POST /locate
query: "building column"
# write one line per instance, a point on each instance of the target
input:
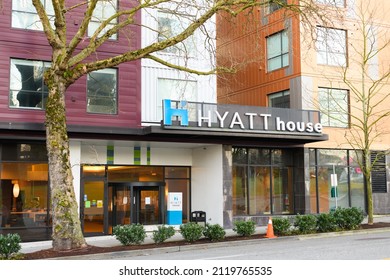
(227, 187)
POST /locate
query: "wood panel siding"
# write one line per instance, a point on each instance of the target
(241, 42)
(27, 44)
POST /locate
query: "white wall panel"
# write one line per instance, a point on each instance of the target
(93, 154)
(177, 157)
(207, 183)
(123, 155)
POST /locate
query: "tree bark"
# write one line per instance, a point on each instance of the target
(67, 233)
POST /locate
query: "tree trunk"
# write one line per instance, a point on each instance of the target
(367, 176)
(67, 233)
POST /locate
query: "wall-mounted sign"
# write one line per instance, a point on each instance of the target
(249, 119)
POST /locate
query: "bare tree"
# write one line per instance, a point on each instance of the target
(74, 55)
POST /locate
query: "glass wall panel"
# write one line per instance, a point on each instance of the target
(332, 157)
(253, 180)
(94, 207)
(282, 190)
(259, 190)
(135, 173)
(177, 172)
(24, 195)
(183, 186)
(313, 190)
(259, 156)
(240, 200)
(357, 187)
(94, 170)
(349, 191)
(240, 156)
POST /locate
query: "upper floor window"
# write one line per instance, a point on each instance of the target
(170, 25)
(334, 3)
(104, 10)
(277, 51)
(27, 88)
(279, 99)
(331, 46)
(102, 91)
(25, 16)
(274, 6)
(334, 107)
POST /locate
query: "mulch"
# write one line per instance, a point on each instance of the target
(50, 253)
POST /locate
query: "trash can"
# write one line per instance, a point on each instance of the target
(198, 217)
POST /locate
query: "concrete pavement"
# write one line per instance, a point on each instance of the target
(110, 241)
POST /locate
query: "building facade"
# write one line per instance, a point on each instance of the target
(287, 62)
(145, 139)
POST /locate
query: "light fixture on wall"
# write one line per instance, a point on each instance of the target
(16, 188)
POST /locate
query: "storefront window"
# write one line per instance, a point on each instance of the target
(313, 191)
(259, 190)
(343, 164)
(182, 186)
(240, 187)
(262, 182)
(177, 172)
(24, 195)
(135, 173)
(282, 190)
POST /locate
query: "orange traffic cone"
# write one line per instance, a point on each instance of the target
(270, 229)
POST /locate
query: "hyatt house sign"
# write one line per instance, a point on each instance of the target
(235, 118)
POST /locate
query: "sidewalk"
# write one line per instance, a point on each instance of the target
(110, 241)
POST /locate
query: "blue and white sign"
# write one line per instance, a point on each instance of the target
(175, 208)
(235, 118)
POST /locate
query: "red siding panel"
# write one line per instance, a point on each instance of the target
(27, 44)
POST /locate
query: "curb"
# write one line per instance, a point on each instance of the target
(342, 233)
(172, 249)
(148, 252)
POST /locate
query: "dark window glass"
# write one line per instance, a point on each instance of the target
(24, 152)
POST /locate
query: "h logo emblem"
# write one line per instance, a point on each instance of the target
(170, 112)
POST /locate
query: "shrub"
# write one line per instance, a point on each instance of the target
(281, 226)
(191, 232)
(305, 224)
(245, 228)
(214, 232)
(163, 233)
(348, 218)
(130, 234)
(9, 246)
(326, 222)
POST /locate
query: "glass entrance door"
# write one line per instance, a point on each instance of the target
(93, 211)
(121, 205)
(147, 205)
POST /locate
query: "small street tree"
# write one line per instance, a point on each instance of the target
(74, 55)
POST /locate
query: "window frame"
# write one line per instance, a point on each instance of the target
(30, 11)
(96, 20)
(327, 40)
(109, 71)
(281, 56)
(13, 99)
(333, 3)
(328, 96)
(273, 7)
(275, 95)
